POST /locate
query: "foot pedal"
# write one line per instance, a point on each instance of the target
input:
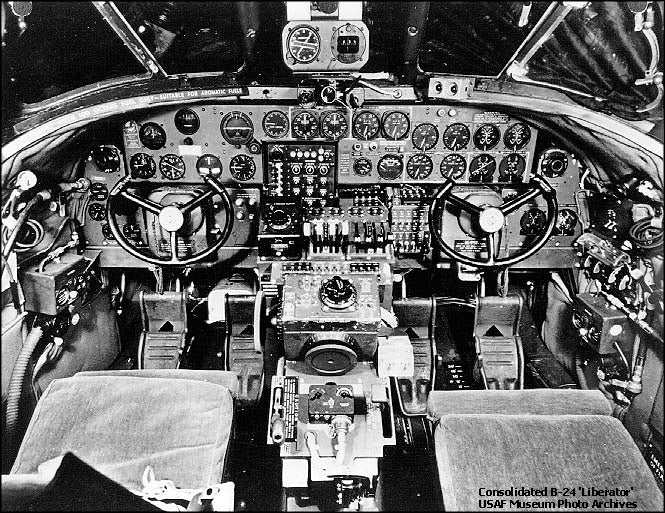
(498, 344)
(164, 330)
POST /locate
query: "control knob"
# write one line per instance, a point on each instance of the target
(338, 293)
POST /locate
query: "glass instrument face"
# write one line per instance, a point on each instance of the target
(304, 44)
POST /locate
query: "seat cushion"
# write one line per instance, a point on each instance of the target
(481, 453)
(544, 401)
(119, 424)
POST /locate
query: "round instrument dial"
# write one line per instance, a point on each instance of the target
(97, 211)
(533, 222)
(142, 165)
(486, 136)
(334, 125)
(237, 128)
(276, 124)
(419, 166)
(456, 136)
(338, 293)
(304, 44)
(390, 167)
(453, 166)
(305, 125)
(362, 166)
(98, 191)
(366, 125)
(106, 159)
(554, 163)
(242, 167)
(565, 222)
(107, 233)
(395, 125)
(187, 121)
(209, 165)
(172, 167)
(482, 168)
(425, 136)
(152, 136)
(512, 168)
(517, 136)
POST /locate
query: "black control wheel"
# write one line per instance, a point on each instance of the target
(491, 220)
(171, 218)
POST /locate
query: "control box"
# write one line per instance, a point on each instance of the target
(280, 229)
(326, 401)
(600, 325)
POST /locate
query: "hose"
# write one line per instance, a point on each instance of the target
(15, 390)
(579, 372)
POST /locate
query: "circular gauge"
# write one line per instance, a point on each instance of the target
(554, 163)
(533, 222)
(305, 125)
(97, 211)
(366, 125)
(131, 231)
(517, 136)
(276, 124)
(187, 121)
(486, 137)
(304, 44)
(395, 125)
(425, 136)
(453, 166)
(107, 233)
(172, 167)
(338, 293)
(512, 168)
(209, 165)
(106, 159)
(242, 167)
(456, 136)
(142, 165)
(98, 191)
(334, 125)
(390, 167)
(362, 167)
(481, 168)
(237, 128)
(152, 136)
(419, 166)
(565, 222)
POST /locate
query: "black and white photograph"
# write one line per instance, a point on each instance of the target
(332, 256)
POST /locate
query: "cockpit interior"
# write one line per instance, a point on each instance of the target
(332, 256)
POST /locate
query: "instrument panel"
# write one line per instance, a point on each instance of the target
(393, 154)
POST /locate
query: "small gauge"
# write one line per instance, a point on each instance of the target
(419, 166)
(107, 233)
(453, 166)
(554, 163)
(305, 125)
(533, 222)
(142, 165)
(97, 211)
(334, 125)
(209, 165)
(237, 128)
(362, 167)
(106, 159)
(152, 136)
(425, 136)
(395, 125)
(517, 136)
(565, 222)
(456, 136)
(172, 167)
(242, 167)
(366, 125)
(390, 167)
(304, 44)
(276, 124)
(512, 168)
(98, 191)
(482, 168)
(486, 136)
(187, 121)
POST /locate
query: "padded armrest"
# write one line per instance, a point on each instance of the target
(224, 378)
(543, 401)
